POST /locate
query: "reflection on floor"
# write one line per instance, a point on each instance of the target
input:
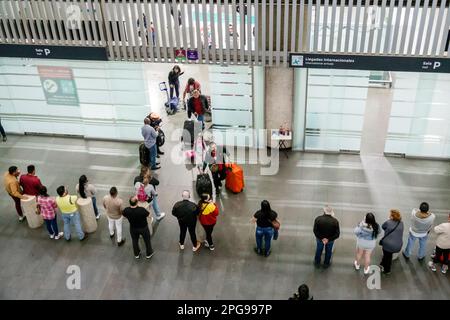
(33, 266)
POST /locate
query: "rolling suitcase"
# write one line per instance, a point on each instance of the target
(203, 184)
(144, 154)
(235, 178)
(188, 133)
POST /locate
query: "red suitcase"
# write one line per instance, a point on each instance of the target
(235, 178)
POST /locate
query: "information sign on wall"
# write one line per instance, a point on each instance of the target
(58, 85)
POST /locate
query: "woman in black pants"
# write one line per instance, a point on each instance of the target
(208, 218)
(174, 82)
(392, 240)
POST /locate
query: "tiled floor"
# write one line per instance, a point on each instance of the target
(33, 266)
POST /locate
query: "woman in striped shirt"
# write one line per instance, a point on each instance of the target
(47, 209)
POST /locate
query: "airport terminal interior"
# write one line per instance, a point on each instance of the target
(360, 141)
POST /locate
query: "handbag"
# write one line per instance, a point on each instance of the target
(381, 241)
(275, 224)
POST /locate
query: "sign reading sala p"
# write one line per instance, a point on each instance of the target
(58, 85)
(53, 52)
(360, 62)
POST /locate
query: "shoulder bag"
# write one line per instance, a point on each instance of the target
(381, 241)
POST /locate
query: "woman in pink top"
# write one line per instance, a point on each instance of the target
(47, 209)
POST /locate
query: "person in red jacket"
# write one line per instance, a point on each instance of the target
(29, 182)
(190, 87)
(208, 218)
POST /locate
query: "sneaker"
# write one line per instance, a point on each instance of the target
(161, 216)
(59, 236)
(52, 236)
(366, 271)
(444, 269)
(432, 266)
(138, 256)
(267, 254)
(357, 266)
(4, 139)
(160, 152)
(206, 243)
(68, 239)
(151, 255)
(119, 244)
(258, 252)
(85, 237)
(181, 246)
(211, 247)
(197, 247)
(98, 217)
(404, 255)
(21, 218)
(112, 235)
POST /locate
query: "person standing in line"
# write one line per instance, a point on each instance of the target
(29, 182)
(264, 228)
(114, 208)
(186, 212)
(149, 133)
(442, 246)
(208, 212)
(392, 241)
(145, 171)
(47, 206)
(12, 187)
(137, 216)
(174, 81)
(87, 190)
(366, 233)
(326, 230)
(2, 131)
(69, 212)
(421, 224)
(147, 192)
(197, 105)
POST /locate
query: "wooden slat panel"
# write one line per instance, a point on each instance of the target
(79, 25)
(213, 31)
(19, 20)
(348, 26)
(31, 18)
(381, 28)
(184, 24)
(161, 25)
(286, 34)
(143, 31)
(120, 9)
(249, 33)
(235, 31)
(24, 19)
(264, 32)
(429, 28)
(155, 20)
(387, 44)
(421, 34)
(176, 25)
(7, 35)
(61, 35)
(396, 28)
(135, 44)
(257, 35)
(445, 35)
(324, 27)
(197, 31)
(97, 16)
(242, 32)
(11, 18)
(301, 24)
(362, 47)
(294, 25)
(192, 38)
(340, 29)
(205, 32)
(356, 28)
(91, 18)
(271, 17)
(71, 28)
(108, 39)
(112, 19)
(316, 26)
(149, 36)
(403, 44)
(220, 31)
(439, 26)
(87, 23)
(278, 33)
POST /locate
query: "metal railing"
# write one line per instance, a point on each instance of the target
(231, 31)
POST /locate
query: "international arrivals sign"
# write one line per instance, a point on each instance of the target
(361, 62)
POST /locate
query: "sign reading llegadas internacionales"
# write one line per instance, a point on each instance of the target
(58, 85)
(360, 62)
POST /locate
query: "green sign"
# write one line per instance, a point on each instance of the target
(58, 85)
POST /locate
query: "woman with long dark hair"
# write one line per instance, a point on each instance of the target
(87, 190)
(366, 233)
(47, 209)
(208, 212)
(392, 241)
(174, 82)
(264, 227)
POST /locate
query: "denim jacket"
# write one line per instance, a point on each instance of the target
(363, 231)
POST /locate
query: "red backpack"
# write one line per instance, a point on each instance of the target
(141, 195)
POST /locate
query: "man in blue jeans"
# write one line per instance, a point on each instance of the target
(326, 230)
(149, 133)
(421, 224)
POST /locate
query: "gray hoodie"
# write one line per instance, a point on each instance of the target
(421, 223)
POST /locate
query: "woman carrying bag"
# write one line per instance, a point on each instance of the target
(267, 226)
(392, 240)
(208, 218)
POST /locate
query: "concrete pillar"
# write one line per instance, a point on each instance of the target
(146, 206)
(279, 91)
(29, 210)
(87, 215)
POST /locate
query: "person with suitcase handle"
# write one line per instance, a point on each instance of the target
(197, 105)
(215, 159)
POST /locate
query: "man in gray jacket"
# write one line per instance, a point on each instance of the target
(421, 224)
(149, 133)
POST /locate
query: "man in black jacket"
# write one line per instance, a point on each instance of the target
(197, 105)
(326, 230)
(137, 216)
(186, 212)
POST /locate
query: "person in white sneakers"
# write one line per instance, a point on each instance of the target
(146, 192)
(366, 234)
(442, 246)
(113, 205)
(46, 207)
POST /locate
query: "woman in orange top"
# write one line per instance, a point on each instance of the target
(208, 218)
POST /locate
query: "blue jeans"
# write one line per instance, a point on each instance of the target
(422, 246)
(201, 118)
(152, 153)
(52, 226)
(267, 234)
(74, 218)
(155, 206)
(328, 251)
(176, 86)
(94, 203)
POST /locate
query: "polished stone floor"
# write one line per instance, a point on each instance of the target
(34, 267)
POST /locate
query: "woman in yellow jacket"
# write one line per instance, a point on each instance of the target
(208, 212)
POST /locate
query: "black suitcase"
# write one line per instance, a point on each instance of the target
(188, 132)
(161, 138)
(144, 154)
(203, 185)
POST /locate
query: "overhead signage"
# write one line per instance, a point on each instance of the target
(192, 55)
(360, 62)
(58, 85)
(53, 52)
(180, 55)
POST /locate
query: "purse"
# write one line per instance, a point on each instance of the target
(275, 224)
(381, 241)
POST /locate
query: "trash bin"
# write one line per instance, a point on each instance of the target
(87, 215)
(29, 210)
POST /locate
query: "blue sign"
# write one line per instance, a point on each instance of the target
(192, 55)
